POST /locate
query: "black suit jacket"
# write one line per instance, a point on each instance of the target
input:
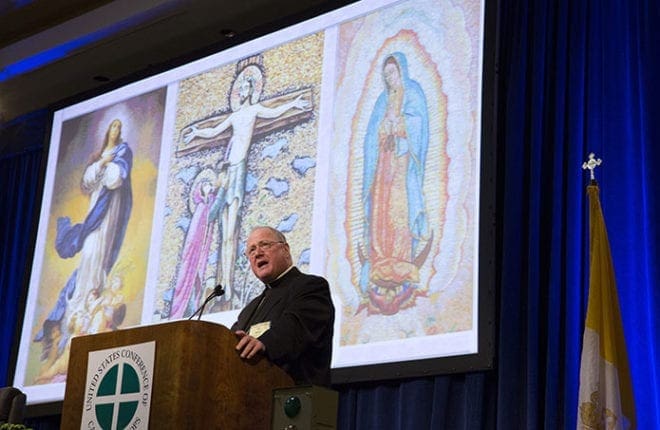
(301, 316)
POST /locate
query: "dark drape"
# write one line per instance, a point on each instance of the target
(576, 77)
(573, 77)
(20, 196)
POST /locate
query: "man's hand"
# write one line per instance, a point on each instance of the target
(300, 103)
(189, 133)
(248, 346)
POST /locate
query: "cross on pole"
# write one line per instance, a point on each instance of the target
(591, 164)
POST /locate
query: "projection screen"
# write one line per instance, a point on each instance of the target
(358, 134)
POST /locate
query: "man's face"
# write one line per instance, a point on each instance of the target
(270, 257)
(244, 90)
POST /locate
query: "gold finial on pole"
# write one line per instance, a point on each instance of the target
(591, 164)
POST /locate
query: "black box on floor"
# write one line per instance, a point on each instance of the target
(305, 407)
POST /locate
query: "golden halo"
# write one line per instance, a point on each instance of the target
(256, 75)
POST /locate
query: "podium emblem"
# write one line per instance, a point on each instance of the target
(118, 388)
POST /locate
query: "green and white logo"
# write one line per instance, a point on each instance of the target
(118, 388)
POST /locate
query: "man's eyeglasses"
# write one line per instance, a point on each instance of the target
(263, 245)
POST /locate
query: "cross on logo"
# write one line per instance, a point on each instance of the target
(118, 397)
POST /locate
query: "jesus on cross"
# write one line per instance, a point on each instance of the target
(249, 117)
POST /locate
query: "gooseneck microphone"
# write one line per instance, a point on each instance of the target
(217, 292)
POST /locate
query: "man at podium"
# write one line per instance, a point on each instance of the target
(291, 322)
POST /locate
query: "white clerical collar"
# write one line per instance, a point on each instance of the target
(281, 275)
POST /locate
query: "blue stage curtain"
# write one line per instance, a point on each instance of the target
(20, 195)
(573, 77)
(576, 77)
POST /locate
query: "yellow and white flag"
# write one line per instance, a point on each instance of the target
(606, 397)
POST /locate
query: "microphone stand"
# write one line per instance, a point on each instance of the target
(217, 292)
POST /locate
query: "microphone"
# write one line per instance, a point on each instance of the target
(217, 292)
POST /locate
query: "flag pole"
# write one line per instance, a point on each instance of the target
(605, 397)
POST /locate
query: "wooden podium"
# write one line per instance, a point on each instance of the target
(199, 381)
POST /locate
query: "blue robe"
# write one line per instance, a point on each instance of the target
(415, 112)
(70, 239)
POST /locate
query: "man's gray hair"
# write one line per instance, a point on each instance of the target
(276, 232)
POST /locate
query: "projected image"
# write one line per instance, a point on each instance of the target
(94, 265)
(245, 142)
(357, 134)
(405, 149)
